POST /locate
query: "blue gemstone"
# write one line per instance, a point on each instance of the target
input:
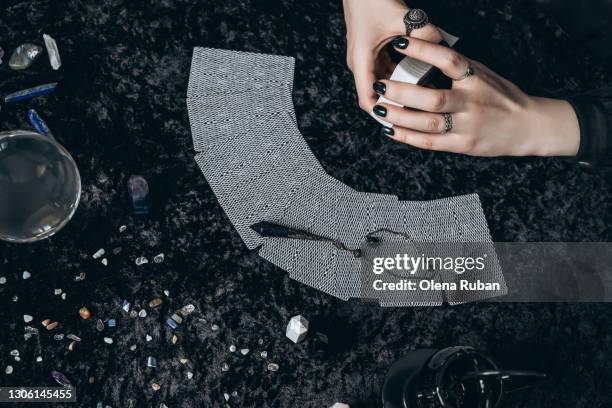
(111, 323)
(171, 323)
(38, 123)
(30, 93)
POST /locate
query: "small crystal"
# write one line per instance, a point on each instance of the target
(71, 346)
(189, 375)
(63, 296)
(166, 292)
(80, 277)
(159, 258)
(99, 325)
(162, 405)
(125, 305)
(104, 261)
(142, 313)
(26, 275)
(15, 298)
(52, 326)
(45, 322)
(38, 123)
(177, 318)
(58, 337)
(24, 56)
(225, 367)
(156, 386)
(108, 340)
(57, 292)
(226, 396)
(17, 358)
(14, 352)
(141, 260)
(214, 327)
(2, 280)
(232, 348)
(61, 379)
(272, 367)
(183, 360)
(39, 359)
(9, 369)
(297, 329)
(340, 405)
(27, 318)
(111, 323)
(244, 351)
(133, 347)
(99, 253)
(122, 228)
(174, 339)
(171, 323)
(138, 189)
(53, 52)
(263, 354)
(73, 337)
(155, 302)
(187, 310)
(148, 337)
(151, 362)
(29, 93)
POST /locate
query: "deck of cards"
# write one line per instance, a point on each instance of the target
(260, 168)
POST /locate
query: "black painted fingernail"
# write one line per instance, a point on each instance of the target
(387, 131)
(380, 88)
(380, 111)
(401, 43)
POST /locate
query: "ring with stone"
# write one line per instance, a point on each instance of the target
(448, 122)
(415, 19)
(468, 72)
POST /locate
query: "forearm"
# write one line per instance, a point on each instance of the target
(554, 128)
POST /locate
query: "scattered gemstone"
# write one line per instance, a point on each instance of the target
(340, 405)
(167, 292)
(9, 369)
(99, 325)
(80, 277)
(14, 352)
(214, 327)
(138, 189)
(189, 375)
(162, 405)
(133, 314)
(297, 329)
(133, 347)
(263, 354)
(141, 260)
(15, 298)
(61, 379)
(171, 323)
(159, 258)
(39, 359)
(226, 396)
(2, 280)
(91, 380)
(52, 326)
(125, 305)
(99, 253)
(63, 296)
(183, 360)
(142, 313)
(104, 261)
(108, 340)
(45, 322)
(73, 337)
(187, 310)
(177, 318)
(272, 367)
(26, 275)
(27, 318)
(155, 302)
(17, 358)
(58, 337)
(156, 386)
(30, 93)
(151, 362)
(71, 346)
(225, 367)
(232, 348)
(111, 323)
(38, 123)
(24, 56)
(57, 292)
(244, 351)
(122, 228)
(53, 52)
(148, 337)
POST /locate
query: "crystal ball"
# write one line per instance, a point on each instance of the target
(40, 186)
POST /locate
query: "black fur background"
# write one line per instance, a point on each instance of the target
(121, 111)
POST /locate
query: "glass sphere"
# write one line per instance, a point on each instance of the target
(40, 186)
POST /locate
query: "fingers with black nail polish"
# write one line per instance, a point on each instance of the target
(380, 110)
(387, 131)
(380, 88)
(400, 42)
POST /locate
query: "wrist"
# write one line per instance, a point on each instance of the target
(553, 127)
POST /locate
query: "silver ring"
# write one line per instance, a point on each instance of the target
(448, 122)
(415, 19)
(468, 72)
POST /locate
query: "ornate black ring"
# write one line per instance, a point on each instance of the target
(448, 122)
(415, 19)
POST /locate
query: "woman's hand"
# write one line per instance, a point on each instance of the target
(490, 115)
(370, 26)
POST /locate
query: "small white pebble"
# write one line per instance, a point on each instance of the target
(133, 347)
(108, 340)
(232, 348)
(159, 258)
(64, 296)
(17, 358)
(148, 338)
(167, 292)
(26, 275)
(14, 352)
(244, 351)
(141, 260)
(226, 396)
(9, 369)
(99, 253)
(57, 292)
(39, 359)
(263, 354)
(142, 313)
(104, 261)
(2, 280)
(122, 228)
(189, 375)
(214, 327)
(27, 318)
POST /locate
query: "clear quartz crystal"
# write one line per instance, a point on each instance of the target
(53, 52)
(272, 367)
(24, 56)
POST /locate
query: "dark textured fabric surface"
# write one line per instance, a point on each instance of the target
(120, 110)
